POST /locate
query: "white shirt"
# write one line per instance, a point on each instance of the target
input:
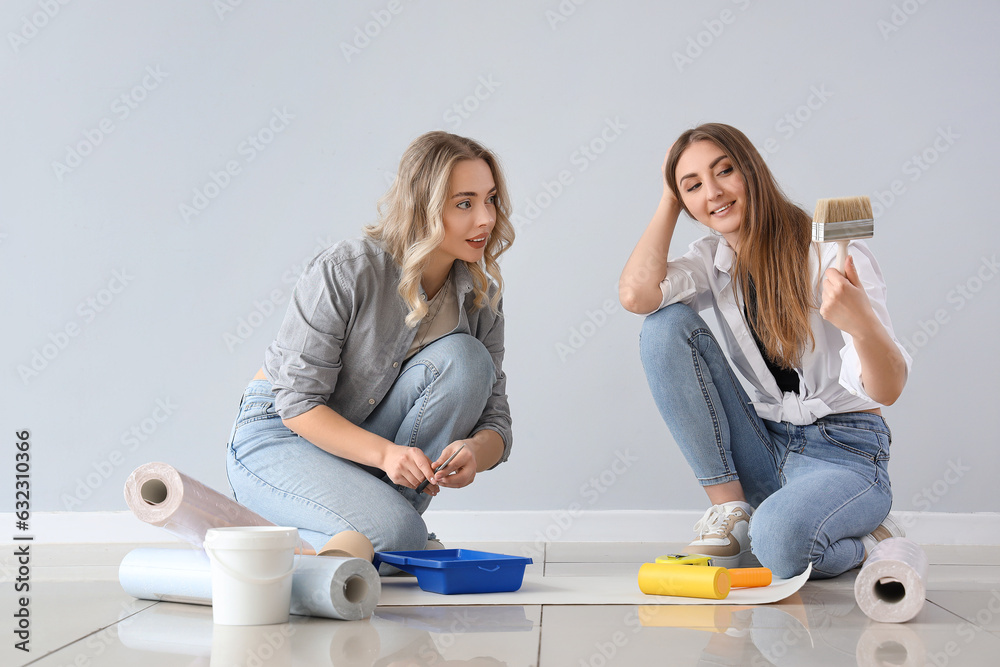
(830, 372)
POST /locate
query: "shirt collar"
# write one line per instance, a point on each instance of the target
(460, 277)
(724, 256)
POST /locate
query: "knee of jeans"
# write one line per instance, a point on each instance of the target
(782, 544)
(403, 531)
(672, 323)
(470, 360)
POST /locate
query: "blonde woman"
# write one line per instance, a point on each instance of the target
(388, 361)
(810, 452)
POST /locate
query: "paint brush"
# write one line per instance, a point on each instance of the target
(843, 220)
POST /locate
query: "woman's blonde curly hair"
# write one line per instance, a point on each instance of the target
(410, 224)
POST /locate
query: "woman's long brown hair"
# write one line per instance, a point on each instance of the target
(775, 238)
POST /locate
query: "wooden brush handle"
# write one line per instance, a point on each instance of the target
(842, 256)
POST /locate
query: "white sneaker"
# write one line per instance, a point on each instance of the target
(723, 535)
(888, 528)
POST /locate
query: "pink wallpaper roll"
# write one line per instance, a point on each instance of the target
(161, 495)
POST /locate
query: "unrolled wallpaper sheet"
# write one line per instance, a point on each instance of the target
(612, 589)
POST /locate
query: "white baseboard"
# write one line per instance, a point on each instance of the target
(506, 526)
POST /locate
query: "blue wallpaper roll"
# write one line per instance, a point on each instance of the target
(342, 588)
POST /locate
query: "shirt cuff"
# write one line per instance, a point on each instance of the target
(850, 370)
(677, 287)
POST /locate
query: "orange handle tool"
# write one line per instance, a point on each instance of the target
(749, 577)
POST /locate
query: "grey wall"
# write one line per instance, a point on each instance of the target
(141, 282)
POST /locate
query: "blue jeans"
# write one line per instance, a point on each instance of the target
(437, 398)
(817, 488)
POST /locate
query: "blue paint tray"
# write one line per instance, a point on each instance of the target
(453, 571)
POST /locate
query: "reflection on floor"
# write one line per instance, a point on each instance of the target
(80, 617)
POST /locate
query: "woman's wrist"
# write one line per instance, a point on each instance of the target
(381, 447)
(667, 214)
(870, 328)
(487, 446)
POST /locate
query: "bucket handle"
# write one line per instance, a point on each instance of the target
(242, 577)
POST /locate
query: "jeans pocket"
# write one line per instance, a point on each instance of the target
(867, 443)
(255, 408)
(864, 450)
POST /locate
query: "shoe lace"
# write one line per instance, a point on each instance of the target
(712, 521)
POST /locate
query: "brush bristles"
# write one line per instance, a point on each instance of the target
(843, 218)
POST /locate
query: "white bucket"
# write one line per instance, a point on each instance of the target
(251, 573)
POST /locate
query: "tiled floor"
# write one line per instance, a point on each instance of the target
(80, 617)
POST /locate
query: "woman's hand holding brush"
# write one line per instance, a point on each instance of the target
(845, 304)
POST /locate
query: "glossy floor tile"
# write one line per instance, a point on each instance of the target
(177, 634)
(60, 613)
(80, 617)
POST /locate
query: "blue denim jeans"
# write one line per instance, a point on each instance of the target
(816, 488)
(436, 399)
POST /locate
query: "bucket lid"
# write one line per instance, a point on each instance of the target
(252, 537)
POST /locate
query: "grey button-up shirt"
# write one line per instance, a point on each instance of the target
(344, 337)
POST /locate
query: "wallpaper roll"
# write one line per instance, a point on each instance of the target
(161, 495)
(892, 584)
(348, 544)
(344, 588)
(347, 589)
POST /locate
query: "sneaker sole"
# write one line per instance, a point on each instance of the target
(738, 560)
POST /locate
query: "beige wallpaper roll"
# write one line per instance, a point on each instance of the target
(161, 495)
